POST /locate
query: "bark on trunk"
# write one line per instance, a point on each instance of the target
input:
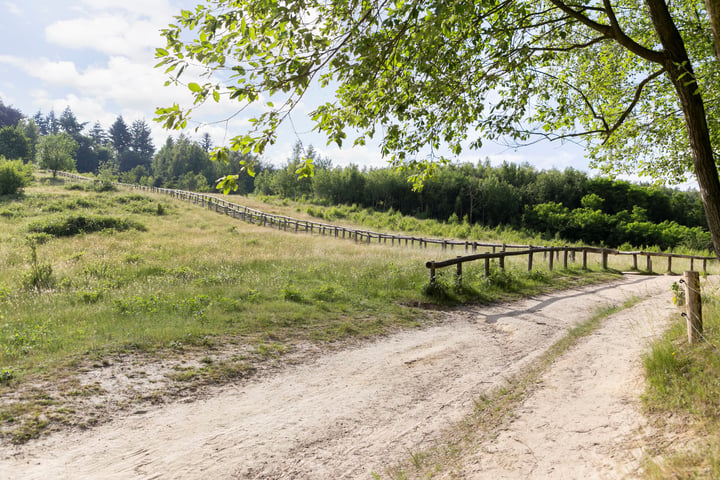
(679, 69)
(713, 9)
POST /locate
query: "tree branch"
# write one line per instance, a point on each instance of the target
(570, 47)
(635, 100)
(615, 33)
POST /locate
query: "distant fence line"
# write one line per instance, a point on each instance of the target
(499, 251)
(306, 226)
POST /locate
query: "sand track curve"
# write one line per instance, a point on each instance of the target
(354, 412)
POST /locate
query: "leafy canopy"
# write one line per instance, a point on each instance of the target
(56, 152)
(430, 76)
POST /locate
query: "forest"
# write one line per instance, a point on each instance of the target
(567, 205)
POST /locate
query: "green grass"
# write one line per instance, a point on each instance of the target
(391, 221)
(192, 279)
(684, 383)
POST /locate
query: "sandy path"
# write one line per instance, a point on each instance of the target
(584, 420)
(354, 412)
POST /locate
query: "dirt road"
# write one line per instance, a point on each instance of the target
(354, 412)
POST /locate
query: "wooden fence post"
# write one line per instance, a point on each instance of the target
(693, 306)
(649, 264)
(584, 260)
(551, 261)
(604, 259)
(458, 278)
(669, 264)
(530, 260)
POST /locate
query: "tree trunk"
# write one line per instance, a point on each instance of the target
(713, 10)
(681, 74)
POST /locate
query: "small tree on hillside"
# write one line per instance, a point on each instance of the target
(14, 144)
(55, 152)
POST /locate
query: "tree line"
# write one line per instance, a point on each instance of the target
(565, 205)
(123, 151)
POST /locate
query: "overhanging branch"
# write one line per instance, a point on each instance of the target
(611, 31)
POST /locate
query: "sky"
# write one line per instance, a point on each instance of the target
(97, 57)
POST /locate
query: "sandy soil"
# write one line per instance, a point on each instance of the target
(358, 411)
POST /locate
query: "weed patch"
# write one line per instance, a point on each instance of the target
(79, 224)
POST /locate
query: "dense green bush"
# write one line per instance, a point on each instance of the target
(14, 175)
(77, 224)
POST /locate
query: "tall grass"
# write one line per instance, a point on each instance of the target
(683, 397)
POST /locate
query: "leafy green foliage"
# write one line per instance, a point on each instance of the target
(14, 175)
(14, 144)
(185, 164)
(56, 152)
(40, 276)
(79, 224)
(558, 205)
(9, 115)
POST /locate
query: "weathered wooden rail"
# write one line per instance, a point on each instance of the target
(553, 256)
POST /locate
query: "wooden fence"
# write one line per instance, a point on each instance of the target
(553, 255)
(257, 217)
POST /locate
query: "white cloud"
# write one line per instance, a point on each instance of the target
(13, 9)
(108, 34)
(156, 9)
(62, 72)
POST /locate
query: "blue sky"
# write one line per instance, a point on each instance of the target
(97, 57)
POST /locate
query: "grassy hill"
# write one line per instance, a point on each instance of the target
(91, 277)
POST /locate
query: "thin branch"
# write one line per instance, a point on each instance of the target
(635, 100)
(570, 47)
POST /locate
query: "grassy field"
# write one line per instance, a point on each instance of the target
(88, 276)
(683, 398)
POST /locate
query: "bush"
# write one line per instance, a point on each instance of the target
(78, 224)
(14, 175)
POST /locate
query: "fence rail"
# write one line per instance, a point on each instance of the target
(553, 254)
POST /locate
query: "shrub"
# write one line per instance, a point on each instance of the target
(78, 224)
(14, 175)
(40, 276)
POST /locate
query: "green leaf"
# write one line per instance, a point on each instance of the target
(194, 87)
(306, 169)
